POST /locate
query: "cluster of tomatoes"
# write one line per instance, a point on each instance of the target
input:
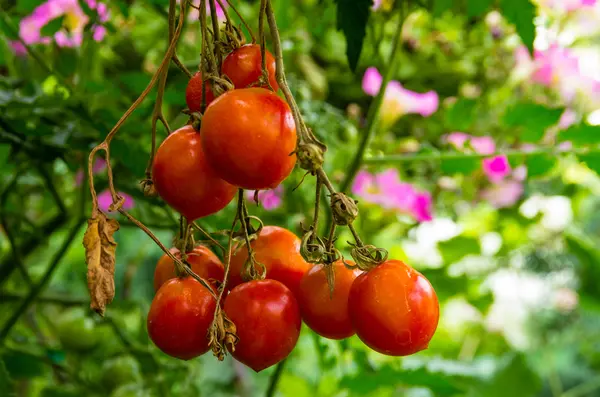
(245, 140)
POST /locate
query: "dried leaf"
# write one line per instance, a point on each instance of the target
(100, 248)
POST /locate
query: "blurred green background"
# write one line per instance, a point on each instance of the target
(499, 160)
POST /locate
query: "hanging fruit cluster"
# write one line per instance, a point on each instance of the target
(243, 135)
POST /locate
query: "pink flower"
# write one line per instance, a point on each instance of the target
(99, 166)
(105, 200)
(269, 199)
(194, 13)
(71, 35)
(457, 139)
(479, 144)
(376, 4)
(386, 190)
(18, 48)
(496, 168)
(504, 194)
(553, 64)
(567, 5)
(398, 101)
(567, 119)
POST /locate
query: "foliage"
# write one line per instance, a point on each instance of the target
(513, 257)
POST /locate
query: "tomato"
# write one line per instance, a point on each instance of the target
(77, 331)
(193, 93)
(184, 179)
(248, 135)
(202, 260)
(180, 316)
(244, 66)
(327, 314)
(394, 309)
(278, 250)
(120, 371)
(267, 319)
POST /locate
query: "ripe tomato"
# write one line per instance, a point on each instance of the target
(248, 135)
(185, 180)
(202, 260)
(394, 309)
(278, 250)
(180, 316)
(244, 66)
(193, 93)
(327, 314)
(267, 319)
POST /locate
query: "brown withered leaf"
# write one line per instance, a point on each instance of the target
(100, 248)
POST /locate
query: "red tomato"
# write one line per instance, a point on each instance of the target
(268, 322)
(202, 260)
(325, 314)
(244, 66)
(248, 135)
(180, 316)
(184, 179)
(279, 250)
(394, 309)
(193, 93)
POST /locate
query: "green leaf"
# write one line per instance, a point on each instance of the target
(476, 8)
(53, 26)
(581, 134)
(131, 155)
(352, 18)
(521, 14)
(26, 6)
(588, 258)
(539, 164)
(460, 165)
(592, 160)
(457, 248)
(514, 378)
(5, 382)
(531, 120)
(22, 365)
(4, 154)
(441, 6)
(460, 115)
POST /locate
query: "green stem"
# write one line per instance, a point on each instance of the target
(436, 156)
(374, 109)
(275, 379)
(584, 388)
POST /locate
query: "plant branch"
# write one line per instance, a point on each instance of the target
(375, 108)
(274, 380)
(215, 23)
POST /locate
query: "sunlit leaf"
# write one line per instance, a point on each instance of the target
(457, 248)
(521, 14)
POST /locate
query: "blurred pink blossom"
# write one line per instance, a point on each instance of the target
(496, 168)
(376, 4)
(386, 190)
(71, 34)
(269, 199)
(479, 144)
(194, 13)
(398, 101)
(567, 119)
(566, 5)
(105, 200)
(503, 194)
(99, 166)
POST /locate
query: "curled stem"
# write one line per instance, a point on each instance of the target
(253, 270)
(211, 238)
(215, 24)
(239, 16)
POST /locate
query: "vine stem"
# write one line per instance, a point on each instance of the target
(211, 238)
(105, 145)
(274, 380)
(250, 267)
(436, 156)
(157, 113)
(176, 260)
(375, 108)
(215, 23)
(250, 32)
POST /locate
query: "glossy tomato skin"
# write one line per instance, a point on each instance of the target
(185, 180)
(327, 314)
(201, 259)
(193, 93)
(394, 309)
(278, 249)
(244, 66)
(248, 135)
(180, 316)
(267, 320)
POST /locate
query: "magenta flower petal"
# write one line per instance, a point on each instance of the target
(105, 201)
(567, 119)
(376, 4)
(18, 48)
(483, 144)
(457, 139)
(504, 194)
(399, 101)
(371, 83)
(496, 168)
(268, 199)
(422, 207)
(362, 182)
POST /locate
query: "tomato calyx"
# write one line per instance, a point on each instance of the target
(312, 247)
(310, 156)
(148, 187)
(343, 209)
(367, 256)
(233, 39)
